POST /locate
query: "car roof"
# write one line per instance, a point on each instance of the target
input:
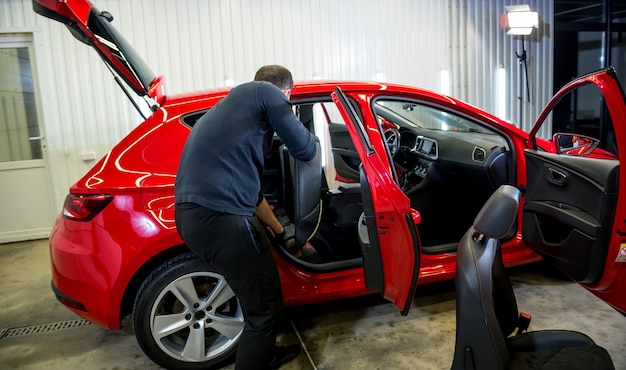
(302, 89)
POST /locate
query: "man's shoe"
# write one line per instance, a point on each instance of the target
(284, 354)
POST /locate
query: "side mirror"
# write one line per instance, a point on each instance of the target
(573, 144)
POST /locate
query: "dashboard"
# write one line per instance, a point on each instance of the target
(453, 153)
(426, 147)
(416, 153)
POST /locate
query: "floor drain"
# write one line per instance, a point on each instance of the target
(39, 329)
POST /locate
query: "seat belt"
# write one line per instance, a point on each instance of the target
(523, 321)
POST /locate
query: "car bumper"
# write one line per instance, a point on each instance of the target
(87, 265)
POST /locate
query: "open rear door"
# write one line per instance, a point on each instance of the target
(389, 239)
(94, 27)
(574, 212)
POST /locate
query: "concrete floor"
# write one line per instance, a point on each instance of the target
(36, 332)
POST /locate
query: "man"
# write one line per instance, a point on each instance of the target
(218, 192)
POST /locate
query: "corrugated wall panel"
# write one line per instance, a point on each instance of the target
(198, 44)
(480, 47)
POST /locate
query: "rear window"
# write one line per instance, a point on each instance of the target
(190, 119)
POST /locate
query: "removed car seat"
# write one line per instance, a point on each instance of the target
(486, 309)
(301, 197)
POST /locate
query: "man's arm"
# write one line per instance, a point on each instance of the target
(264, 213)
(298, 140)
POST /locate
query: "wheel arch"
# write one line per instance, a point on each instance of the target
(130, 292)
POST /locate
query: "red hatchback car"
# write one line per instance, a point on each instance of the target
(402, 174)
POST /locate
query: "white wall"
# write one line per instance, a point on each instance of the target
(198, 44)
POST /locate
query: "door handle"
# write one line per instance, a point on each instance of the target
(33, 138)
(555, 176)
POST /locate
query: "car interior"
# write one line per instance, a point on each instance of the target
(332, 207)
(486, 309)
(446, 164)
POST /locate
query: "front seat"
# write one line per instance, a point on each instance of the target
(302, 198)
(486, 309)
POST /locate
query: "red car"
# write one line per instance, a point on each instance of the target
(404, 173)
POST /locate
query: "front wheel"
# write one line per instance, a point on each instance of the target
(186, 316)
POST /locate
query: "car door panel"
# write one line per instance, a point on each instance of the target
(391, 249)
(574, 213)
(570, 201)
(369, 242)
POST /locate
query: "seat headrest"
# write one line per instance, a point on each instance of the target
(495, 220)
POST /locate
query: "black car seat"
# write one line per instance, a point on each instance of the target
(301, 198)
(486, 309)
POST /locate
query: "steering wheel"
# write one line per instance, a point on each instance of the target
(392, 137)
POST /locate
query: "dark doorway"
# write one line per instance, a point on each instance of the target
(589, 35)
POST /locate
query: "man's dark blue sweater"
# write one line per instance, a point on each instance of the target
(223, 159)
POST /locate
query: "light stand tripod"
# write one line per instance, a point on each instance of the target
(523, 75)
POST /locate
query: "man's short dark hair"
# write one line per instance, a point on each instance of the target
(279, 76)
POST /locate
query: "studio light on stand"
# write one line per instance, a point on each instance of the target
(520, 21)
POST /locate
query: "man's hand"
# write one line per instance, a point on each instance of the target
(277, 239)
(265, 213)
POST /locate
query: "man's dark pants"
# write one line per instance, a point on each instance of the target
(239, 248)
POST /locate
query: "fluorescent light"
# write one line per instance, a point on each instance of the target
(501, 93)
(444, 81)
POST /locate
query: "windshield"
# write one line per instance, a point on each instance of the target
(417, 115)
(99, 24)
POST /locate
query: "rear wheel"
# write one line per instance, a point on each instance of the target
(186, 316)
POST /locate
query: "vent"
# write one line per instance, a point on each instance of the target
(479, 154)
(39, 329)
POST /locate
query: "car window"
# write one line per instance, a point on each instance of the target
(581, 122)
(421, 116)
(443, 158)
(319, 117)
(100, 25)
(190, 119)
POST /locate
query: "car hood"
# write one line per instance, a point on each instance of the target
(93, 27)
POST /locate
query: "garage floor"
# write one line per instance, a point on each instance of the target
(36, 332)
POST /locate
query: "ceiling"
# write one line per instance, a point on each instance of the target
(588, 11)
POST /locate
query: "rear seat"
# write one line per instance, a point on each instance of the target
(343, 206)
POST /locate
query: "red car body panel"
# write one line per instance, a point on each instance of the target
(74, 10)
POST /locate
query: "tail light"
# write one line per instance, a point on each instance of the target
(84, 207)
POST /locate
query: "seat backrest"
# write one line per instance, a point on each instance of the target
(486, 310)
(302, 195)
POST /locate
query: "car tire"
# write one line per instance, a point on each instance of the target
(186, 316)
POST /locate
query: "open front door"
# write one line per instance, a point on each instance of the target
(388, 233)
(574, 212)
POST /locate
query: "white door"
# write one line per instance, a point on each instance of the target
(25, 197)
